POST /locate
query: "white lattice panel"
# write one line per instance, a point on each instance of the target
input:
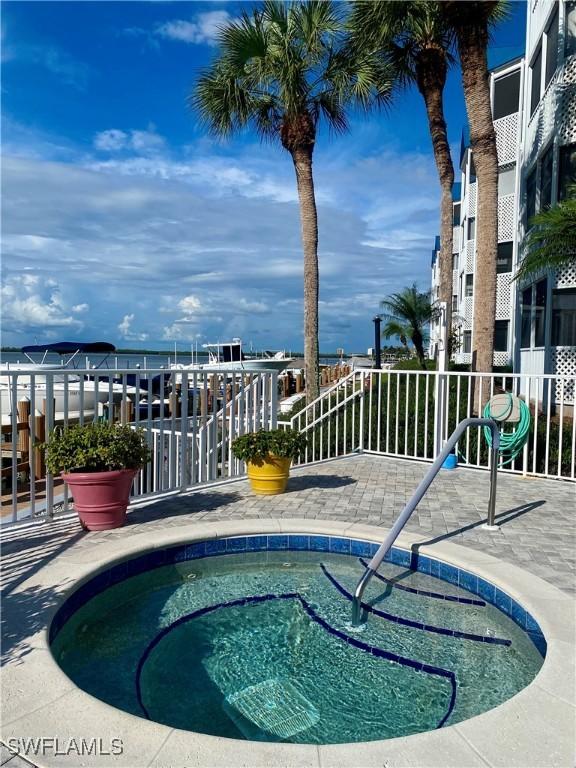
(501, 358)
(556, 112)
(464, 358)
(567, 103)
(503, 283)
(566, 277)
(506, 138)
(467, 306)
(470, 251)
(505, 218)
(472, 199)
(564, 363)
(455, 239)
(455, 281)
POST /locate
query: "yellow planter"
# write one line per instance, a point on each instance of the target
(270, 477)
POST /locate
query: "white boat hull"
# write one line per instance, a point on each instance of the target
(69, 399)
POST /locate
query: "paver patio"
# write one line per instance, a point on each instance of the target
(537, 517)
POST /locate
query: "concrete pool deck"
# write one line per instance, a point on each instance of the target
(538, 535)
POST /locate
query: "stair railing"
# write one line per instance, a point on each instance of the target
(419, 493)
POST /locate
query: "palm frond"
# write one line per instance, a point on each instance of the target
(286, 64)
(551, 242)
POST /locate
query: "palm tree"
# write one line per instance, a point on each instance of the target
(471, 21)
(417, 41)
(551, 242)
(282, 70)
(408, 315)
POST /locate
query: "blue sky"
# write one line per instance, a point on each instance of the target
(123, 221)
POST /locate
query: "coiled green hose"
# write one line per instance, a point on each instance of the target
(511, 443)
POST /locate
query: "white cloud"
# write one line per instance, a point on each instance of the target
(204, 28)
(31, 304)
(190, 305)
(217, 175)
(251, 307)
(125, 328)
(201, 253)
(115, 140)
(146, 141)
(111, 140)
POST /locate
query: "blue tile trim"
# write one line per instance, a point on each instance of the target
(353, 641)
(339, 545)
(296, 542)
(360, 548)
(416, 624)
(319, 543)
(256, 543)
(216, 547)
(277, 542)
(236, 544)
(423, 592)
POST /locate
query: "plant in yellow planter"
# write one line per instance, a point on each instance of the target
(268, 455)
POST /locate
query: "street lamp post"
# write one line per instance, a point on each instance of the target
(378, 360)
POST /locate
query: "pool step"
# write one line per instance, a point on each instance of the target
(274, 706)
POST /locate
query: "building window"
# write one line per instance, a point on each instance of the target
(471, 229)
(564, 317)
(551, 48)
(506, 95)
(540, 291)
(472, 171)
(567, 171)
(535, 78)
(546, 180)
(506, 180)
(504, 258)
(530, 197)
(570, 37)
(501, 335)
(456, 215)
(526, 318)
(467, 342)
(469, 288)
(454, 302)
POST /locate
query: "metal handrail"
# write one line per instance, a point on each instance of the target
(420, 491)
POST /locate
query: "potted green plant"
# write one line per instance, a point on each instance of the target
(99, 462)
(268, 455)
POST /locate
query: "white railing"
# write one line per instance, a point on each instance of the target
(409, 414)
(190, 419)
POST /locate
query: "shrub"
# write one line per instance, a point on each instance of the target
(95, 447)
(257, 446)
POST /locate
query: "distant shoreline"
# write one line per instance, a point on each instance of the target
(167, 352)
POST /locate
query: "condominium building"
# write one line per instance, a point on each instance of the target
(546, 306)
(534, 111)
(505, 89)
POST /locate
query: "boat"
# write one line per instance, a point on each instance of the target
(73, 393)
(228, 356)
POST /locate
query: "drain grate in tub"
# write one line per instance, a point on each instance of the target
(275, 706)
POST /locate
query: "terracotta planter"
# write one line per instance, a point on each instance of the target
(101, 498)
(270, 477)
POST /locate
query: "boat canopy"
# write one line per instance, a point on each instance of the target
(226, 351)
(69, 347)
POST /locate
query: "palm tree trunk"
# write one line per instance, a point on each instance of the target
(302, 158)
(431, 80)
(472, 43)
(419, 347)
